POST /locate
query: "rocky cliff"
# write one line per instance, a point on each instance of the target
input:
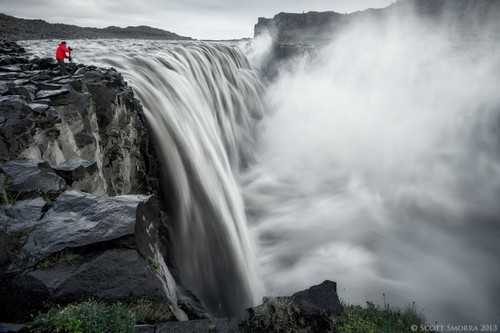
(294, 34)
(14, 28)
(79, 215)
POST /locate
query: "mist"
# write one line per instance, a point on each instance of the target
(378, 167)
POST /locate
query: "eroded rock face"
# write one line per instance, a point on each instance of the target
(90, 114)
(76, 176)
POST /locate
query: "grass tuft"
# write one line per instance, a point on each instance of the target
(86, 317)
(374, 319)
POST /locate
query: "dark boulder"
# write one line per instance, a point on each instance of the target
(15, 126)
(16, 221)
(319, 299)
(80, 246)
(309, 311)
(116, 274)
(77, 219)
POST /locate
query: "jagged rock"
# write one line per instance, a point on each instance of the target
(191, 305)
(10, 68)
(116, 274)
(10, 76)
(51, 93)
(79, 174)
(77, 219)
(28, 92)
(19, 125)
(311, 310)
(319, 299)
(94, 117)
(27, 177)
(48, 86)
(43, 63)
(39, 107)
(16, 220)
(147, 228)
(23, 214)
(78, 247)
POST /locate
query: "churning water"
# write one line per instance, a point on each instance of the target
(376, 165)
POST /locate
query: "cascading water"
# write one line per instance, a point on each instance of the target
(203, 102)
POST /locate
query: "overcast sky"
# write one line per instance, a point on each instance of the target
(194, 18)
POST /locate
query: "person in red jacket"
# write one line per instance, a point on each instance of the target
(62, 52)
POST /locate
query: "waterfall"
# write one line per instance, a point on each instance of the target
(203, 102)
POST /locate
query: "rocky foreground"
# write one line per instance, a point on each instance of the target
(80, 207)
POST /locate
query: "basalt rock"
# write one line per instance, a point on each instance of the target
(80, 246)
(88, 114)
(32, 178)
(77, 175)
(311, 310)
(78, 219)
(116, 274)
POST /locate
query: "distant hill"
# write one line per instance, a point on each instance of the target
(14, 28)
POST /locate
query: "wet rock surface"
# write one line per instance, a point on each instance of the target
(77, 173)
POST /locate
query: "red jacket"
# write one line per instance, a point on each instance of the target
(61, 52)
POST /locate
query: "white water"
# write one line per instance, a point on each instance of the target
(378, 167)
(203, 102)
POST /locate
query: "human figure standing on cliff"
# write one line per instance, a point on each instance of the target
(62, 52)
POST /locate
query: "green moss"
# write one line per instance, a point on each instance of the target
(155, 265)
(373, 319)
(96, 317)
(86, 317)
(64, 258)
